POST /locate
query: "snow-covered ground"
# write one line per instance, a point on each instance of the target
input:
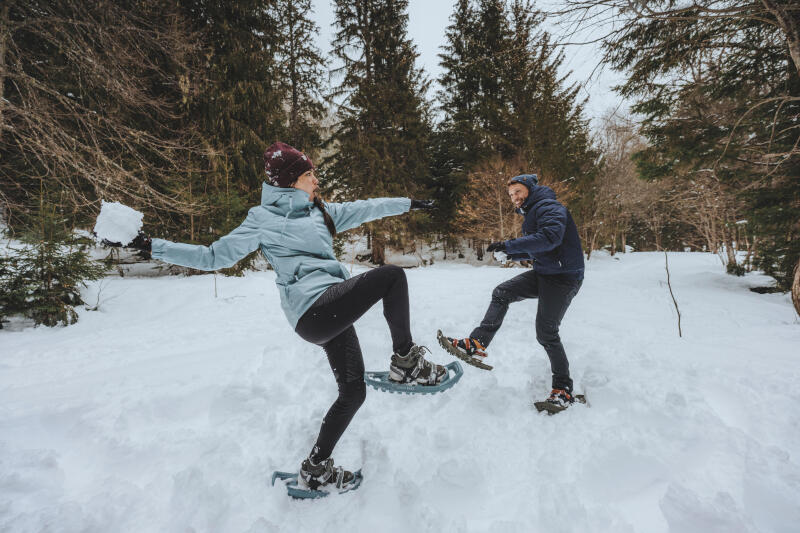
(169, 408)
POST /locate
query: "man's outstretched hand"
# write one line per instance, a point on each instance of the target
(499, 246)
(141, 242)
(423, 204)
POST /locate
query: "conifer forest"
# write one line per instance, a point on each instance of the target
(167, 107)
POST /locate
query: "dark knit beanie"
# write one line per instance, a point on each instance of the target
(529, 180)
(284, 164)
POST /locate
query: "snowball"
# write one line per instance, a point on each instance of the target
(501, 257)
(117, 223)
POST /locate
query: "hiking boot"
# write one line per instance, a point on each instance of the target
(414, 368)
(316, 475)
(561, 398)
(469, 350)
(469, 347)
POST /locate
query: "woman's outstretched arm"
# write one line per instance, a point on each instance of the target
(224, 253)
(349, 215)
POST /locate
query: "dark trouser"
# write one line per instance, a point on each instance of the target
(329, 323)
(555, 292)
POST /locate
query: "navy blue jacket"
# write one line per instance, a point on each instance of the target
(550, 235)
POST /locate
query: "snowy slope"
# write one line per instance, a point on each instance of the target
(168, 409)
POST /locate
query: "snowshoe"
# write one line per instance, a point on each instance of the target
(382, 381)
(468, 350)
(299, 491)
(318, 480)
(559, 400)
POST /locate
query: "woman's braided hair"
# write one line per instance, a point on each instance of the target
(328, 220)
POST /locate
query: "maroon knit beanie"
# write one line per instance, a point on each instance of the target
(285, 164)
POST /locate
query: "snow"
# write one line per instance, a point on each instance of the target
(117, 223)
(168, 409)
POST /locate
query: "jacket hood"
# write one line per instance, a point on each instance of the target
(529, 180)
(536, 192)
(284, 200)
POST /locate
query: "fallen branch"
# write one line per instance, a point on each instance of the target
(666, 265)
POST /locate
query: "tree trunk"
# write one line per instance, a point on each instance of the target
(796, 287)
(729, 248)
(751, 248)
(191, 216)
(293, 75)
(4, 37)
(378, 249)
(592, 242)
(655, 226)
(624, 248)
(788, 22)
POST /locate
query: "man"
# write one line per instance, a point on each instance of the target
(550, 239)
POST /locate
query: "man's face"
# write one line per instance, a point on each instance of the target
(518, 193)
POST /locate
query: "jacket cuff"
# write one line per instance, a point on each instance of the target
(158, 248)
(514, 249)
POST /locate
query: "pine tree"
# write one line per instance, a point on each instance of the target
(493, 49)
(502, 92)
(456, 139)
(719, 95)
(503, 97)
(472, 96)
(303, 69)
(88, 102)
(41, 279)
(383, 131)
(544, 119)
(459, 81)
(235, 105)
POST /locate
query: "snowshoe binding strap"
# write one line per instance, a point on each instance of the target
(475, 358)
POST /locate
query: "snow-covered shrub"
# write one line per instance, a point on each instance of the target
(41, 277)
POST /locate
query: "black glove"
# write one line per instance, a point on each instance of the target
(423, 204)
(140, 242)
(499, 246)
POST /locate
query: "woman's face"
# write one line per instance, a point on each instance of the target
(309, 183)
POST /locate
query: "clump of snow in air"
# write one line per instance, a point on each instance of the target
(168, 409)
(500, 257)
(117, 223)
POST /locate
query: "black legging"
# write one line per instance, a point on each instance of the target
(329, 323)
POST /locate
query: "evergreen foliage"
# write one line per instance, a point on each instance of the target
(502, 96)
(382, 137)
(88, 102)
(234, 103)
(303, 70)
(719, 93)
(41, 278)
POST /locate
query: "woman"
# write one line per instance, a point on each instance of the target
(294, 230)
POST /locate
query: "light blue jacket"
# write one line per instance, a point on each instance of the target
(293, 237)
